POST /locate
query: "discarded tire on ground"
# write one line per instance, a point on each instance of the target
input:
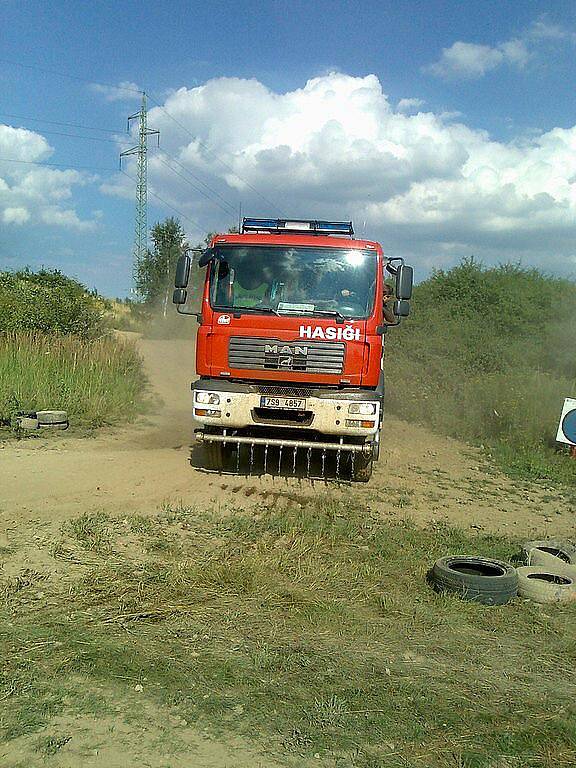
(537, 583)
(26, 422)
(556, 547)
(479, 579)
(48, 418)
(546, 561)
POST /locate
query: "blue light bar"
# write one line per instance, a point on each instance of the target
(298, 226)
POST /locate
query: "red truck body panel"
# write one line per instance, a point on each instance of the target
(363, 338)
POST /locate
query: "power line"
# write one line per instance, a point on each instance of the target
(55, 122)
(229, 211)
(102, 168)
(69, 77)
(76, 136)
(169, 205)
(58, 165)
(199, 180)
(158, 104)
(211, 152)
(230, 207)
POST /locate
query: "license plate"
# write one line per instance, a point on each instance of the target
(287, 403)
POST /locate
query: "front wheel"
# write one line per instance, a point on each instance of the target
(361, 467)
(217, 455)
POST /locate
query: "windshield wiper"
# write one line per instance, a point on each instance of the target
(240, 310)
(328, 313)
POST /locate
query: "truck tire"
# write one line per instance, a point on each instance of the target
(217, 455)
(51, 417)
(361, 467)
(541, 585)
(556, 547)
(478, 579)
(376, 444)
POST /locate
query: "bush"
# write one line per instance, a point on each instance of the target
(488, 357)
(50, 302)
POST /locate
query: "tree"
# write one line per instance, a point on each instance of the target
(155, 273)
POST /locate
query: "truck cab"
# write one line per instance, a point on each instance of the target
(290, 344)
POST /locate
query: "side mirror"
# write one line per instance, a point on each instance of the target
(179, 296)
(401, 308)
(206, 257)
(404, 282)
(182, 274)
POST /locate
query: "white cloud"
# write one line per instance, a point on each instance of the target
(424, 184)
(464, 60)
(15, 215)
(34, 193)
(124, 91)
(408, 105)
(471, 60)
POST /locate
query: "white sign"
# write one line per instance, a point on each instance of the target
(224, 320)
(567, 427)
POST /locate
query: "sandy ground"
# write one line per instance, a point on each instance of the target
(154, 462)
(425, 477)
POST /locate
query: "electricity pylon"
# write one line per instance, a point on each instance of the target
(141, 151)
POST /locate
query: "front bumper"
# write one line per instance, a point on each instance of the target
(326, 411)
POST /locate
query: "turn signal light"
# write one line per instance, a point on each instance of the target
(207, 412)
(356, 423)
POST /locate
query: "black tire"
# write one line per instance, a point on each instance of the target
(51, 417)
(478, 579)
(55, 425)
(556, 547)
(217, 455)
(361, 467)
(376, 445)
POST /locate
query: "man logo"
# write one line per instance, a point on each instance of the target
(285, 361)
(277, 349)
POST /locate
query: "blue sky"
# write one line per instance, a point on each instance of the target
(443, 128)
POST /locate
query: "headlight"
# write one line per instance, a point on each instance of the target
(211, 398)
(366, 409)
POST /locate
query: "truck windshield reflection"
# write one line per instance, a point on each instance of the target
(294, 279)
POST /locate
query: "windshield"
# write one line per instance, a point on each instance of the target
(294, 280)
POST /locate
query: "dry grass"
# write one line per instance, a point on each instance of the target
(97, 381)
(311, 630)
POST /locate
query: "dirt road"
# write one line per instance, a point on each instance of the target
(138, 468)
(48, 480)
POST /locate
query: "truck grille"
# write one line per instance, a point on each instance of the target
(274, 355)
(279, 391)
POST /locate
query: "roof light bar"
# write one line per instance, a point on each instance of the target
(298, 226)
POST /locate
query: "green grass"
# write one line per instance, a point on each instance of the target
(310, 630)
(487, 357)
(98, 382)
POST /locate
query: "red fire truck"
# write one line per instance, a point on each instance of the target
(290, 345)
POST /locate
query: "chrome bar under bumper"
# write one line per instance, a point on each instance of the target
(365, 448)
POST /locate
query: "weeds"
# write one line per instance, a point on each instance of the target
(98, 382)
(488, 357)
(312, 630)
